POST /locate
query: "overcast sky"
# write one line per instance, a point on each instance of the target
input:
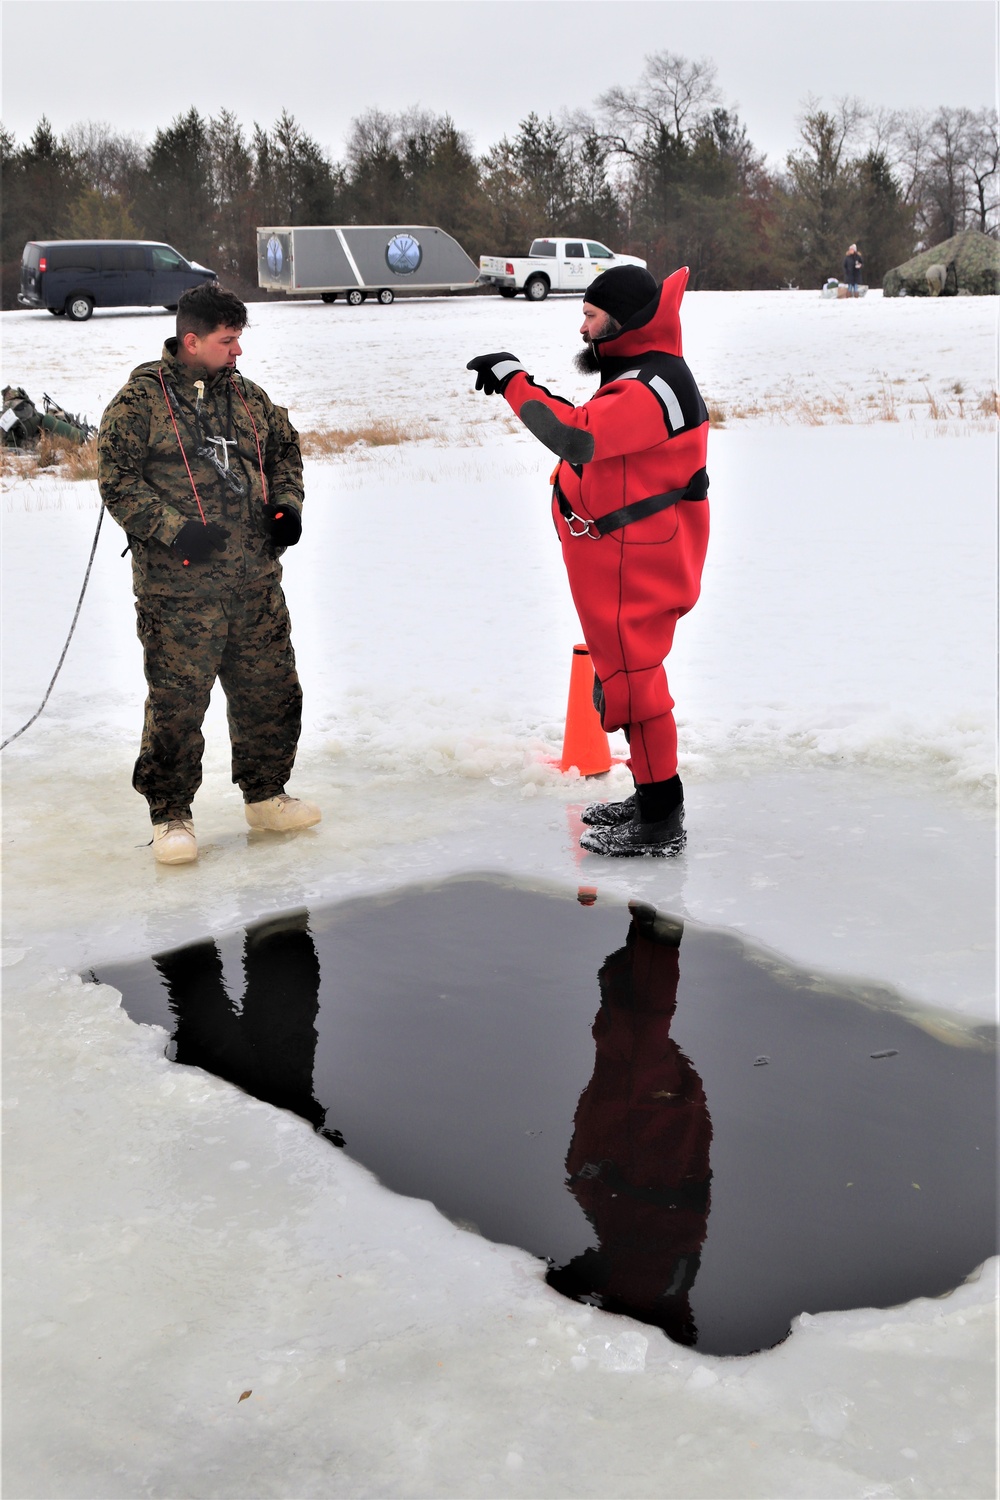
(487, 63)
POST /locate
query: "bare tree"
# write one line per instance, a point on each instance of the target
(112, 161)
(882, 131)
(674, 93)
(947, 183)
(909, 151)
(841, 128)
(372, 138)
(983, 161)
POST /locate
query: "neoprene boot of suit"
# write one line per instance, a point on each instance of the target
(609, 814)
(655, 830)
(658, 801)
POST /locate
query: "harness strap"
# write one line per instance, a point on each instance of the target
(695, 489)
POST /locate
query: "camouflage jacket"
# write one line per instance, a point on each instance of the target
(146, 486)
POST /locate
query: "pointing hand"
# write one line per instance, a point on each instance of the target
(494, 371)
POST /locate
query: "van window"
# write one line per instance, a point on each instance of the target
(110, 257)
(574, 249)
(32, 255)
(165, 259)
(133, 258)
(599, 252)
(543, 247)
(80, 257)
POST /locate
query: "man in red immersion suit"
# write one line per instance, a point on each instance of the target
(630, 507)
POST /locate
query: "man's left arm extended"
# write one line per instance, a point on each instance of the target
(623, 417)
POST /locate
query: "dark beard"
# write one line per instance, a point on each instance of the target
(587, 362)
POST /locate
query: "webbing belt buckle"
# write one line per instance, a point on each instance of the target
(585, 527)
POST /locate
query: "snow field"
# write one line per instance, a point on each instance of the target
(759, 357)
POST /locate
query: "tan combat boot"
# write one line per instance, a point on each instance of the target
(174, 842)
(282, 814)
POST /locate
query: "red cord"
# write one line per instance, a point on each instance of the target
(181, 447)
(253, 424)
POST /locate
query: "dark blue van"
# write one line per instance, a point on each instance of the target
(75, 276)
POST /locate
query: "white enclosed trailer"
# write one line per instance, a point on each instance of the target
(357, 261)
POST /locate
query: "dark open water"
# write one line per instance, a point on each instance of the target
(685, 1129)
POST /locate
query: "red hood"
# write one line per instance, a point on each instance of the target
(655, 327)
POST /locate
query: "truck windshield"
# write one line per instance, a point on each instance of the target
(542, 247)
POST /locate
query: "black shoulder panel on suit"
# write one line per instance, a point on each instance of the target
(673, 385)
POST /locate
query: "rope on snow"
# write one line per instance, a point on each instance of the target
(55, 674)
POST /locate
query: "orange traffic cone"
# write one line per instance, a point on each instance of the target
(585, 744)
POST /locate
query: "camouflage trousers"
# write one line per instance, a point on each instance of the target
(243, 638)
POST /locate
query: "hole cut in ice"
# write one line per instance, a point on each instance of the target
(685, 1129)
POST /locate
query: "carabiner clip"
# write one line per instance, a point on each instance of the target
(585, 530)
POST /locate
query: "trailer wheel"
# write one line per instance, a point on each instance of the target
(79, 307)
(536, 288)
(386, 296)
(329, 296)
(356, 296)
(507, 291)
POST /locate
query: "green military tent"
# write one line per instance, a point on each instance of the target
(972, 266)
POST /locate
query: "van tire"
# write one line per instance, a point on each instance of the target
(356, 296)
(386, 296)
(79, 307)
(170, 307)
(536, 288)
(58, 312)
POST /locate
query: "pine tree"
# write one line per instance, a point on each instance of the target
(175, 201)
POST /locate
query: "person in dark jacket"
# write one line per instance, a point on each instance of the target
(204, 474)
(852, 270)
(630, 508)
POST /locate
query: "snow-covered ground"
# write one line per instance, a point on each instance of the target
(170, 1243)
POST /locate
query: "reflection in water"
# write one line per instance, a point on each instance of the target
(446, 1031)
(638, 1160)
(267, 1043)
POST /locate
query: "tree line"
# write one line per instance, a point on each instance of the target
(662, 168)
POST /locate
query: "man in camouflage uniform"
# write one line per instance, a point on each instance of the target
(204, 474)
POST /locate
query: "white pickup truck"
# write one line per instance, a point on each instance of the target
(551, 266)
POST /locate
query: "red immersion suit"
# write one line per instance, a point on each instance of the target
(630, 587)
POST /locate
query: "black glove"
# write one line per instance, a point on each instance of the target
(284, 524)
(494, 372)
(197, 540)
